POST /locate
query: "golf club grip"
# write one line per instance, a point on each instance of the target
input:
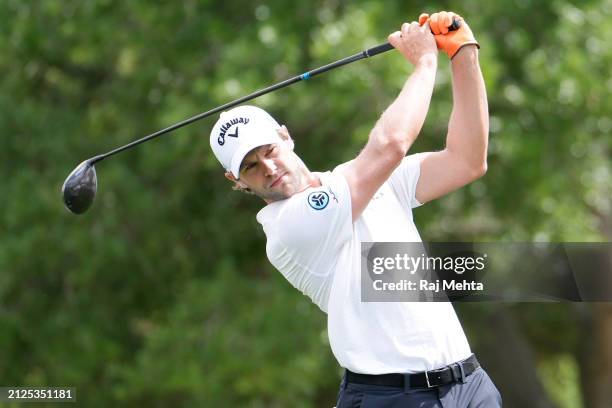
(455, 26)
(370, 52)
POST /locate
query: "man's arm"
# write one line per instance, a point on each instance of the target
(465, 157)
(400, 124)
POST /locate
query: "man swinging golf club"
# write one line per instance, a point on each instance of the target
(396, 354)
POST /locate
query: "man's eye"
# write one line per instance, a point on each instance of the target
(271, 150)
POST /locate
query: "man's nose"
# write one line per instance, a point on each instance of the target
(269, 167)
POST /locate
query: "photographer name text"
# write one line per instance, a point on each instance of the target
(429, 286)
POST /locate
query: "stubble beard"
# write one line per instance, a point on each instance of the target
(278, 195)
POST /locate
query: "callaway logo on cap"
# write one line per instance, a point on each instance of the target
(240, 130)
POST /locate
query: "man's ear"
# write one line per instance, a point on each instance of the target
(230, 177)
(238, 185)
(283, 132)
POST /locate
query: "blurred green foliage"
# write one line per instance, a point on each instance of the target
(161, 295)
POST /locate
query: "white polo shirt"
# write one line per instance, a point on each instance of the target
(313, 242)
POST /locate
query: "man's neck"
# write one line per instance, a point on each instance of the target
(312, 180)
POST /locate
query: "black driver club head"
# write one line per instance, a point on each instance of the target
(79, 189)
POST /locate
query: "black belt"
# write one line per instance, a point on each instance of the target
(426, 379)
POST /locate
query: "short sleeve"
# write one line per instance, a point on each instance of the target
(318, 221)
(404, 180)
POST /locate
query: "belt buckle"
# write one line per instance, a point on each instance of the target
(427, 380)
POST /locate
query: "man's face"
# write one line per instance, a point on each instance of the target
(272, 172)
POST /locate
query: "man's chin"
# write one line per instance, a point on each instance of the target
(277, 194)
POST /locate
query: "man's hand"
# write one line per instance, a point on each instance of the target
(449, 41)
(415, 42)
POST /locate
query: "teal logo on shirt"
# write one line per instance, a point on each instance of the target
(318, 200)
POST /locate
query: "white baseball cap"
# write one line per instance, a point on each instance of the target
(240, 130)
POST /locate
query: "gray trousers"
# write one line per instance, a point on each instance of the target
(478, 391)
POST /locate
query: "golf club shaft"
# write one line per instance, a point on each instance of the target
(370, 52)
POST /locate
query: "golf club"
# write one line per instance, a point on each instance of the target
(80, 187)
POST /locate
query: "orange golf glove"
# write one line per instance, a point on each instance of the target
(449, 41)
